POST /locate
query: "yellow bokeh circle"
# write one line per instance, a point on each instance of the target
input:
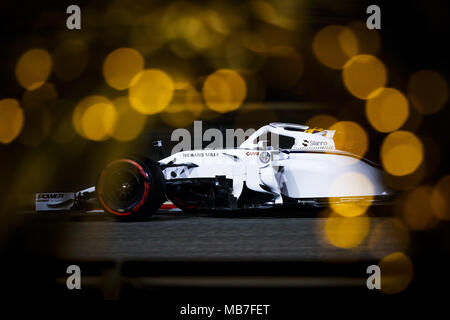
(350, 137)
(121, 66)
(416, 209)
(440, 199)
(224, 90)
(401, 153)
(346, 233)
(334, 45)
(363, 75)
(428, 91)
(11, 120)
(151, 91)
(82, 107)
(33, 68)
(388, 110)
(98, 121)
(356, 207)
(130, 123)
(396, 272)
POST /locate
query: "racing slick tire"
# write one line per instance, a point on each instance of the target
(131, 188)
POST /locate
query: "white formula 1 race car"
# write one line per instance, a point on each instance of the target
(278, 165)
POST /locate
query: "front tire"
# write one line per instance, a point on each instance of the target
(131, 188)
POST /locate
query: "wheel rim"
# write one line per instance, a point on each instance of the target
(123, 187)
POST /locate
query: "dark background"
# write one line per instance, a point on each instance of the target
(414, 36)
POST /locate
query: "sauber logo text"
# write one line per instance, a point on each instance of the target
(252, 153)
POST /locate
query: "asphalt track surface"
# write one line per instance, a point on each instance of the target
(176, 236)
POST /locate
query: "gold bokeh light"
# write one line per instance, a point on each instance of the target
(428, 91)
(356, 181)
(396, 272)
(388, 110)
(350, 137)
(151, 91)
(417, 213)
(224, 90)
(99, 121)
(401, 153)
(33, 68)
(11, 120)
(121, 66)
(344, 232)
(440, 199)
(363, 75)
(80, 109)
(334, 45)
(130, 123)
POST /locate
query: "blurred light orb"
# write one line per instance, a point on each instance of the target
(401, 153)
(121, 66)
(224, 90)
(70, 58)
(440, 199)
(33, 68)
(355, 180)
(334, 45)
(396, 272)
(80, 109)
(151, 91)
(388, 110)
(363, 75)
(417, 213)
(321, 121)
(98, 121)
(346, 233)
(130, 123)
(11, 120)
(350, 137)
(428, 91)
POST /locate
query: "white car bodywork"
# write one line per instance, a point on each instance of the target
(310, 169)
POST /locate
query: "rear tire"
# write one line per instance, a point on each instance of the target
(131, 188)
